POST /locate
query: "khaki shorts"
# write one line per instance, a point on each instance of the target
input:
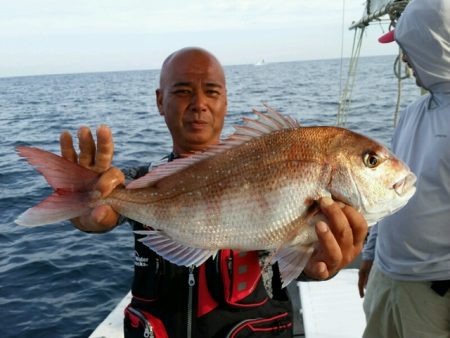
(400, 309)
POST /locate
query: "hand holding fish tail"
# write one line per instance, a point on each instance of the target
(340, 239)
(102, 218)
(97, 158)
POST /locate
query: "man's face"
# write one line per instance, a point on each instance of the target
(406, 60)
(192, 99)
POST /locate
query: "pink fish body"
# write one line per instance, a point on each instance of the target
(255, 191)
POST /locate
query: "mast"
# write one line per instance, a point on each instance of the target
(375, 11)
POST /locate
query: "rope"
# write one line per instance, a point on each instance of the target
(345, 99)
(398, 68)
(399, 85)
(400, 78)
(342, 46)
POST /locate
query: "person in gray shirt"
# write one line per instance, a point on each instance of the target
(407, 291)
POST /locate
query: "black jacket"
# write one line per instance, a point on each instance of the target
(174, 296)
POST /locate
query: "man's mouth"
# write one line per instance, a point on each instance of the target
(198, 124)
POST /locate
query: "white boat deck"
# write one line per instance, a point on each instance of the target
(331, 309)
(112, 326)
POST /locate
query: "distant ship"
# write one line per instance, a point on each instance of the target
(261, 63)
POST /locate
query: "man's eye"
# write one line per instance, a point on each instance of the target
(213, 92)
(182, 92)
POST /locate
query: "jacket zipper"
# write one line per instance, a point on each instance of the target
(191, 283)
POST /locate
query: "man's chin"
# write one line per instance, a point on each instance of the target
(200, 142)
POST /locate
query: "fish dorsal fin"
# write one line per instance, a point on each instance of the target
(173, 251)
(265, 123)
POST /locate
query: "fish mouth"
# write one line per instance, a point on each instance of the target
(405, 185)
(404, 189)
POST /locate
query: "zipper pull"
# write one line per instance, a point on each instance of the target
(191, 279)
(148, 333)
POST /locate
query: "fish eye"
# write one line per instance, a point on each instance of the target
(371, 160)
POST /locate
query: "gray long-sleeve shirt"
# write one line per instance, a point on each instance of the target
(414, 243)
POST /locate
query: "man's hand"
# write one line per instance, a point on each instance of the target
(341, 239)
(364, 271)
(97, 158)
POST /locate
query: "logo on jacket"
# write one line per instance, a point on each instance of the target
(140, 261)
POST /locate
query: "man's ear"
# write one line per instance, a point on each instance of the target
(159, 101)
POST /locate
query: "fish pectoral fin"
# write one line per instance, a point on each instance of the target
(174, 251)
(292, 260)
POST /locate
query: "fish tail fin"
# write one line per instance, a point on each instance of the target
(72, 185)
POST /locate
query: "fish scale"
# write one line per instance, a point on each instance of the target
(228, 207)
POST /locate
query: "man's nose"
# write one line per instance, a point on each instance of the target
(198, 101)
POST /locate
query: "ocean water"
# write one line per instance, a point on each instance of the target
(56, 281)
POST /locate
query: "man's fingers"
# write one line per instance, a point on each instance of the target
(102, 218)
(362, 278)
(339, 225)
(67, 149)
(358, 225)
(361, 285)
(363, 275)
(329, 247)
(109, 180)
(87, 147)
(317, 270)
(105, 149)
(105, 217)
(97, 158)
(340, 239)
(337, 220)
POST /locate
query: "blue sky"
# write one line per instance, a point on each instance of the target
(62, 36)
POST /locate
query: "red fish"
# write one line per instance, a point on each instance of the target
(255, 191)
